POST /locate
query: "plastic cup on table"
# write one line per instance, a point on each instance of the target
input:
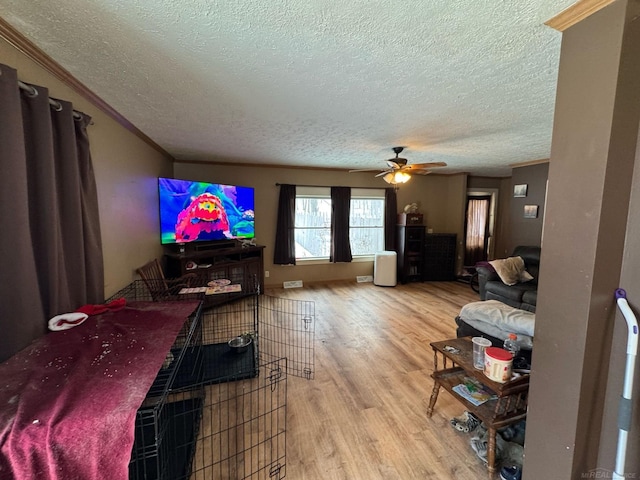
(479, 345)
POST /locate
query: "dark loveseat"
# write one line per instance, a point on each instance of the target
(520, 295)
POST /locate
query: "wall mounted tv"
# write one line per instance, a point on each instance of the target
(199, 211)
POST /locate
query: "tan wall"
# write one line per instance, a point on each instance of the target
(126, 169)
(456, 204)
(432, 193)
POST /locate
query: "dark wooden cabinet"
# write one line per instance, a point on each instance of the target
(238, 264)
(410, 253)
(440, 257)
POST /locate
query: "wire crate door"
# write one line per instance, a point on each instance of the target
(243, 428)
(286, 329)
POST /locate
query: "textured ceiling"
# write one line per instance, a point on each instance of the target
(316, 83)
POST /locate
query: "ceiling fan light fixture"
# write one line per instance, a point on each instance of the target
(389, 178)
(401, 177)
(395, 178)
(399, 171)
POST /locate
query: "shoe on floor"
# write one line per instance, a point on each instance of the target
(481, 447)
(465, 423)
(505, 451)
(511, 473)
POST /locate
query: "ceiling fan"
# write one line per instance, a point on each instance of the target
(398, 171)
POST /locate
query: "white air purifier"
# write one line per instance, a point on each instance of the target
(385, 269)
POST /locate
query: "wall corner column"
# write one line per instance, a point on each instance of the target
(595, 138)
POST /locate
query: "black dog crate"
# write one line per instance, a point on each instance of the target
(167, 423)
(213, 413)
(232, 429)
(165, 437)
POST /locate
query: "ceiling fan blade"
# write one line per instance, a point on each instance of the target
(383, 173)
(426, 165)
(366, 170)
(424, 168)
(393, 164)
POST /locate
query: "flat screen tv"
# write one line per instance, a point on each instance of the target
(199, 211)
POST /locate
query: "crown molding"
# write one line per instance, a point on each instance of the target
(576, 13)
(529, 163)
(236, 164)
(34, 53)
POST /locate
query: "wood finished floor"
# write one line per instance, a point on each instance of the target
(363, 417)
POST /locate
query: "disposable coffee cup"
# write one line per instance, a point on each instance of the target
(479, 345)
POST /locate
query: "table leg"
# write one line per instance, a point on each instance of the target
(491, 454)
(434, 397)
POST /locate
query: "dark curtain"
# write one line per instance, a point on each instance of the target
(340, 211)
(476, 229)
(285, 244)
(390, 218)
(51, 244)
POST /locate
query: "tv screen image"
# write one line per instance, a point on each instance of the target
(199, 211)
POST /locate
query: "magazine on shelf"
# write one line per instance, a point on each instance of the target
(473, 391)
(235, 287)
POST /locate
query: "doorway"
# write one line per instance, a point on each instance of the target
(479, 226)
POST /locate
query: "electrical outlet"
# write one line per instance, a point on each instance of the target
(266, 274)
(292, 284)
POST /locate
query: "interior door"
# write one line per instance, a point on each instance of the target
(476, 229)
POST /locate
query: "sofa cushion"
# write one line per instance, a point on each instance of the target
(530, 297)
(511, 292)
(531, 257)
(511, 270)
(500, 298)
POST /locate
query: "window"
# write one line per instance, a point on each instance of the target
(366, 224)
(313, 222)
(313, 226)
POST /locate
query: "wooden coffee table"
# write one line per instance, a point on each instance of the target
(509, 404)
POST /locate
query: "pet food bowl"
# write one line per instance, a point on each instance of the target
(239, 344)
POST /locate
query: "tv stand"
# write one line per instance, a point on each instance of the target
(234, 262)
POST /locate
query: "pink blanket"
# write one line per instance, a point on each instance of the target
(68, 401)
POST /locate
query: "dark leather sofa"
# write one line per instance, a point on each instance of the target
(521, 295)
